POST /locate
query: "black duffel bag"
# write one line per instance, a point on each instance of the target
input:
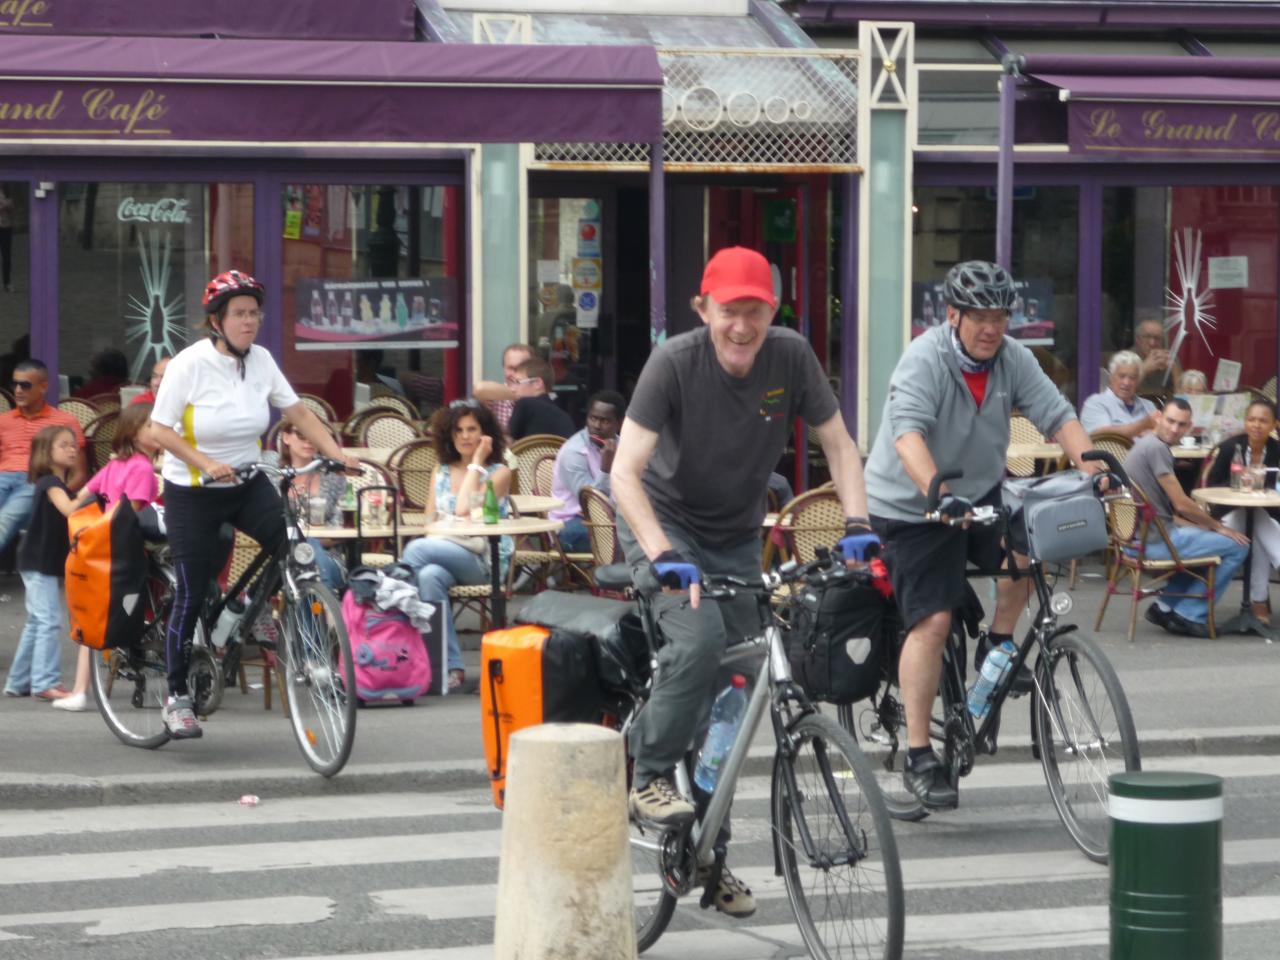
(610, 629)
(838, 641)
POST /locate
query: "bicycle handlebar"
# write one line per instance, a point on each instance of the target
(284, 473)
(825, 569)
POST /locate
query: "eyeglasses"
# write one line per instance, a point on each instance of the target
(466, 402)
(525, 381)
(254, 315)
(22, 384)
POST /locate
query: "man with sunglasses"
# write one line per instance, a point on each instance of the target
(535, 411)
(951, 397)
(30, 415)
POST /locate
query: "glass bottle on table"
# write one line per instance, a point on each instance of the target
(490, 510)
(1237, 469)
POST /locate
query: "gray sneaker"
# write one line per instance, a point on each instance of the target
(180, 719)
(661, 803)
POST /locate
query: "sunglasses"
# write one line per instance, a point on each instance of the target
(459, 404)
(22, 384)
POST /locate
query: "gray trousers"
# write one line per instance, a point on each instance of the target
(689, 675)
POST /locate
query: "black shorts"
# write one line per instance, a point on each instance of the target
(926, 561)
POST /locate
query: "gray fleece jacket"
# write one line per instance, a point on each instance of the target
(928, 396)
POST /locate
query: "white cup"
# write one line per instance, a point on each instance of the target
(1187, 441)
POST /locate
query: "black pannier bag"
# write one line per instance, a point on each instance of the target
(840, 638)
(610, 629)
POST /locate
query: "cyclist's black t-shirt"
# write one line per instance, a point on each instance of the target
(539, 415)
(44, 546)
(720, 436)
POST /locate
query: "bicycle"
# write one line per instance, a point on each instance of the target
(826, 811)
(131, 683)
(1082, 729)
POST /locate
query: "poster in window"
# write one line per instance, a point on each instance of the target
(376, 314)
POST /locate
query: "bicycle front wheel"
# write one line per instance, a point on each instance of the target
(1085, 733)
(319, 678)
(834, 841)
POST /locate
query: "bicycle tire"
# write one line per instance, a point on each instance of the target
(320, 678)
(1079, 676)
(651, 921)
(131, 684)
(204, 677)
(827, 762)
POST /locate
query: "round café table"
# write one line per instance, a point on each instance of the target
(1198, 452)
(529, 503)
(1245, 621)
(513, 527)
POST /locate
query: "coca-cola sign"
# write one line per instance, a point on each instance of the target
(166, 210)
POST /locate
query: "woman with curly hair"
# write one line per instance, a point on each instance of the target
(469, 443)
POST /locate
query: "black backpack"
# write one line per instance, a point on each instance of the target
(839, 640)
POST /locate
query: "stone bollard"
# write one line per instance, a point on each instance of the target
(1166, 866)
(564, 880)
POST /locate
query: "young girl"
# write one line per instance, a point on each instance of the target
(129, 473)
(37, 665)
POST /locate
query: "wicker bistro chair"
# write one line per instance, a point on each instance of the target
(372, 476)
(812, 520)
(387, 429)
(1269, 389)
(544, 473)
(98, 435)
(243, 551)
(1022, 430)
(396, 404)
(106, 402)
(601, 520)
(271, 438)
(319, 406)
(1131, 520)
(546, 550)
(82, 410)
(527, 452)
(414, 467)
(377, 503)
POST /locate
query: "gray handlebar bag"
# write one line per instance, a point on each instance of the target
(1055, 518)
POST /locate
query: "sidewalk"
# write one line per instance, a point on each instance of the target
(1187, 695)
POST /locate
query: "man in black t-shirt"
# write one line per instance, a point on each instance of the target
(535, 411)
(707, 423)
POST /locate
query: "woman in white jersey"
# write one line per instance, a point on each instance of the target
(209, 413)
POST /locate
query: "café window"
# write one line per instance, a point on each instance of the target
(371, 290)
(1202, 261)
(133, 261)
(15, 272)
(959, 223)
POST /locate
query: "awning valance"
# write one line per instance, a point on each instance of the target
(1167, 79)
(140, 89)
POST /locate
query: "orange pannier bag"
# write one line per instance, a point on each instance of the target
(106, 573)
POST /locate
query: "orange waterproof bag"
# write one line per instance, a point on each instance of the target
(106, 571)
(531, 675)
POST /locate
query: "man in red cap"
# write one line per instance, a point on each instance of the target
(707, 424)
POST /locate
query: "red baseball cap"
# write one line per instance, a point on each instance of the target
(736, 273)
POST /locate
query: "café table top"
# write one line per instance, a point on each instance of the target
(1038, 451)
(503, 528)
(349, 533)
(1226, 497)
(376, 454)
(1198, 452)
(527, 503)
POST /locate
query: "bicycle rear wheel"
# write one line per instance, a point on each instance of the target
(320, 678)
(131, 683)
(846, 885)
(654, 904)
(1089, 736)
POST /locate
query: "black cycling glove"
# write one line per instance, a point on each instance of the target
(952, 507)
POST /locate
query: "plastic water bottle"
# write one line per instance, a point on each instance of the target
(993, 670)
(726, 718)
(231, 613)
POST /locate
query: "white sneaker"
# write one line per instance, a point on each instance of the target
(77, 703)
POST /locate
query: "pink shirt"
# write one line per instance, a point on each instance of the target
(133, 478)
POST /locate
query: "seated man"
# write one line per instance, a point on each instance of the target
(535, 411)
(1117, 408)
(18, 427)
(501, 397)
(1150, 465)
(585, 460)
(153, 385)
(1159, 371)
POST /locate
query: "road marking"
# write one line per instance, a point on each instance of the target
(198, 915)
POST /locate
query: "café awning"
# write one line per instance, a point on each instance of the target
(1156, 79)
(141, 89)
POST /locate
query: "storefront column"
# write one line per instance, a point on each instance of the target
(44, 280)
(657, 246)
(500, 230)
(886, 119)
(849, 303)
(1089, 346)
(268, 260)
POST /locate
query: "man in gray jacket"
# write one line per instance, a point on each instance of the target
(950, 401)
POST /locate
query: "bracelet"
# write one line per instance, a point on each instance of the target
(478, 469)
(857, 522)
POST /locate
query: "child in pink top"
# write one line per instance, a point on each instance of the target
(129, 473)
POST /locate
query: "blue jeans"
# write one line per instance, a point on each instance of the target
(440, 564)
(1198, 542)
(37, 664)
(330, 572)
(16, 500)
(575, 537)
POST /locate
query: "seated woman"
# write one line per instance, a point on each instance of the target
(1192, 383)
(469, 443)
(1258, 448)
(295, 450)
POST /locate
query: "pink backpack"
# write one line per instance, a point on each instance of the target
(391, 659)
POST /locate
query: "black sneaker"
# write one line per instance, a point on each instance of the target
(927, 779)
(1157, 616)
(1022, 683)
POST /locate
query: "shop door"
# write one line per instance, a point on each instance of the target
(371, 289)
(15, 277)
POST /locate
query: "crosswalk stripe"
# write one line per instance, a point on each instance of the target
(197, 915)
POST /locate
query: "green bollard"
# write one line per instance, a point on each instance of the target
(1166, 866)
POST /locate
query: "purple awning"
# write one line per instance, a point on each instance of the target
(1164, 88)
(137, 88)
(300, 19)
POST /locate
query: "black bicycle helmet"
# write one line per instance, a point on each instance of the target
(979, 285)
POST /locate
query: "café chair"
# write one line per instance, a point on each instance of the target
(1129, 521)
(84, 411)
(319, 406)
(601, 520)
(414, 467)
(812, 520)
(243, 551)
(395, 403)
(1022, 430)
(106, 402)
(98, 434)
(527, 451)
(386, 428)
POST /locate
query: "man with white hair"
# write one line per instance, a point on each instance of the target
(1117, 408)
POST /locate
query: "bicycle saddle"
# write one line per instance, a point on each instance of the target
(615, 576)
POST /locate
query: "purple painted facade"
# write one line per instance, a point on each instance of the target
(1102, 14)
(298, 19)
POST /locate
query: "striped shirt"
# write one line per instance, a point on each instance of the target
(18, 430)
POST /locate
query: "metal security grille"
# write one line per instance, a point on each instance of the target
(741, 111)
